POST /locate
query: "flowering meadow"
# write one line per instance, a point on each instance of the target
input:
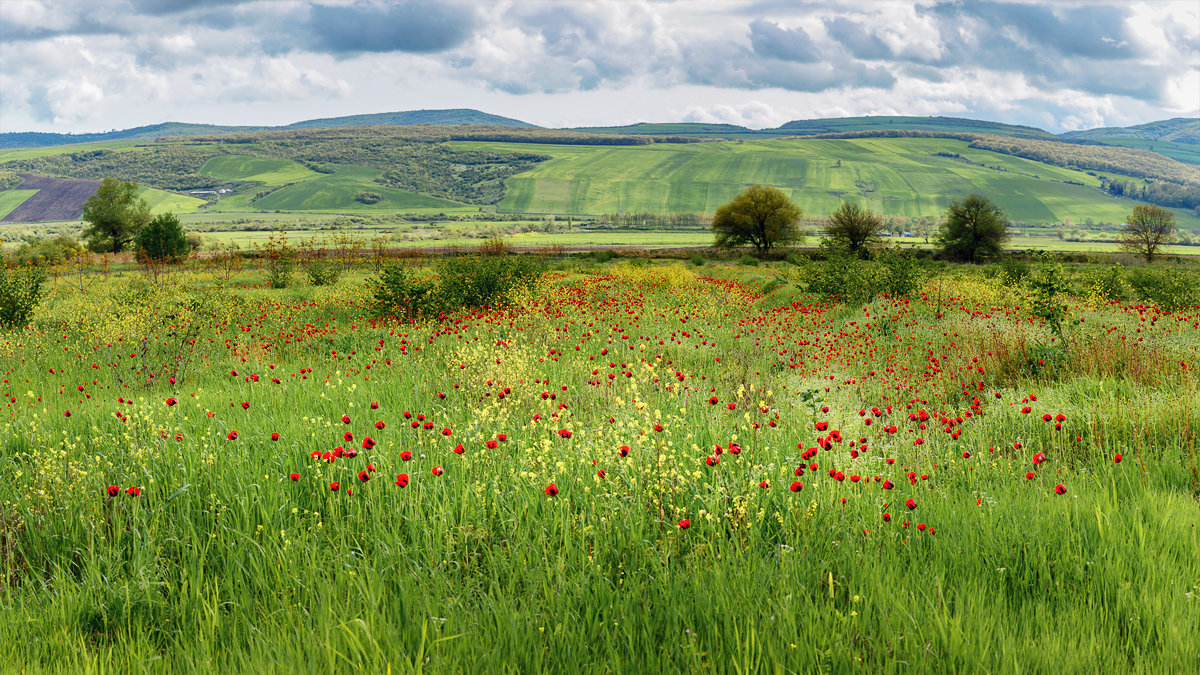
(633, 467)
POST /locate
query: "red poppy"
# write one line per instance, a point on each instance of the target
(551, 489)
(911, 504)
(712, 460)
(459, 449)
(712, 400)
(232, 435)
(1117, 458)
(171, 401)
(922, 527)
(764, 485)
(446, 431)
(887, 517)
(380, 425)
(364, 476)
(401, 480)
(601, 473)
(245, 405)
(294, 476)
(1060, 489)
(406, 455)
(565, 433)
(345, 419)
(797, 486)
(348, 437)
(113, 490)
(1039, 458)
(685, 523)
(374, 405)
(275, 436)
(623, 450)
(368, 443)
(437, 471)
(888, 485)
(1030, 476)
(333, 487)
(133, 490)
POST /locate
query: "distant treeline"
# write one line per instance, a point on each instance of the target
(655, 221)
(1161, 193)
(168, 166)
(423, 133)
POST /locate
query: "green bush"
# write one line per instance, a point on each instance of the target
(47, 250)
(162, 240)
(1107, 284)
(321, 273)
(1169, 289)
(1014, 271)
(20, 293)
(896, 273)
(697, 260)
(840, 274)
(748, 260)
(604, 255)
(471, 282)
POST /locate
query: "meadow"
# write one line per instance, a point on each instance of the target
(632, 466)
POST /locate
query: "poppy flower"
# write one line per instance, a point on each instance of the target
(459, 449)
(887, 517)
(1039, 458)
(1117, 458)
(1060, 489)
(658, 427)
(275, 436)
(171, 401)
(712, 460)
(405, 455)
(1030, 476)
(401, 480)
(375, 405)
(764, 485)
(624, 450)
(922, 527)
(713, 400)
(601, 473)
(551, 489)
(333, 487)
(797, 486)
(364, 476)
(245, 405)
(113, 490)
(437, 471)
(380, 425)
(368, 443)
(735, 449)
(232, 435)
(565, 433)
(911, 504)
(345, 419)
(133, 490)
(446, 431)
(888, 485)
(685, 523)
(294, 476)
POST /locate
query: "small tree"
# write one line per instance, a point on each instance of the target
(974, 228)
(114, 215)
(760, 216)
(1146, 230)
(162, 240)
(854, 227)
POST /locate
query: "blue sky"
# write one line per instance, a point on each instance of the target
(95, 65)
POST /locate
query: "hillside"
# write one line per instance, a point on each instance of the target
(941, 124)
(1184, 130)
(168, 129)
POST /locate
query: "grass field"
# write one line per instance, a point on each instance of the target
(161, 201)
(11, 199)
(30, 153)
(633, 467)
(891, 176)
(267, 170)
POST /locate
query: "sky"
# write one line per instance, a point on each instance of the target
(96, 65)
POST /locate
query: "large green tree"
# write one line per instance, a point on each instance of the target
(114, 215)
(974, 228)
(854, 227)
(162, 240)
(1146, 230)
(759, 216)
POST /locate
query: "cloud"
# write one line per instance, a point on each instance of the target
(419, 26)
(770, 40)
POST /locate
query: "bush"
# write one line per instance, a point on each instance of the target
(748, 260)
(471, 282)
(162, 240)
(321, 273)
(896, 273)
(840, 274)
(1170, 290)
(20, 293)
(697, 260)
(1013, 271)
(368, 197)
(1105, 285)
(604, 255)
(47, 251)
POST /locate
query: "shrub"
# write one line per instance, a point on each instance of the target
(896, 273)
(321, 273)
(1013, 271)
(462, 282)
(1105, 285)
(20, 293)
(1170, 290)
(397, 293)
(47, 251)
(697, 260)
(748, 260)
(368, 197)
(162, 240)
(840, 274)
(604, 255)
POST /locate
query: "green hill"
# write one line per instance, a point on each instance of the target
(896, 176)
(338, 193)
(840, 125)
(1177, 138)
(450, 117)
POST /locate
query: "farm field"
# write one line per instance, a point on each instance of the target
(892, 176)
(631, 466)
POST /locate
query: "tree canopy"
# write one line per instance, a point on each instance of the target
(759, 216)
(162, 240)
(114, 215)
(974, 228)
(854, 227)
(1146, 230)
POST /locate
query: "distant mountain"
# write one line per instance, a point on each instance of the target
(1178, 130)
(960, 125)
(406, 118)
(30, 139)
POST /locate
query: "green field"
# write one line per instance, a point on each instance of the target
(30, 153)
(896, 176)
(11, 199)
(161, 201)
(267, 170)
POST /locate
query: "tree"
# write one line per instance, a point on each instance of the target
(974, 228)
(854, 227)
(760, 216)
(162, 240)
(114, 215)
(1146, 230)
